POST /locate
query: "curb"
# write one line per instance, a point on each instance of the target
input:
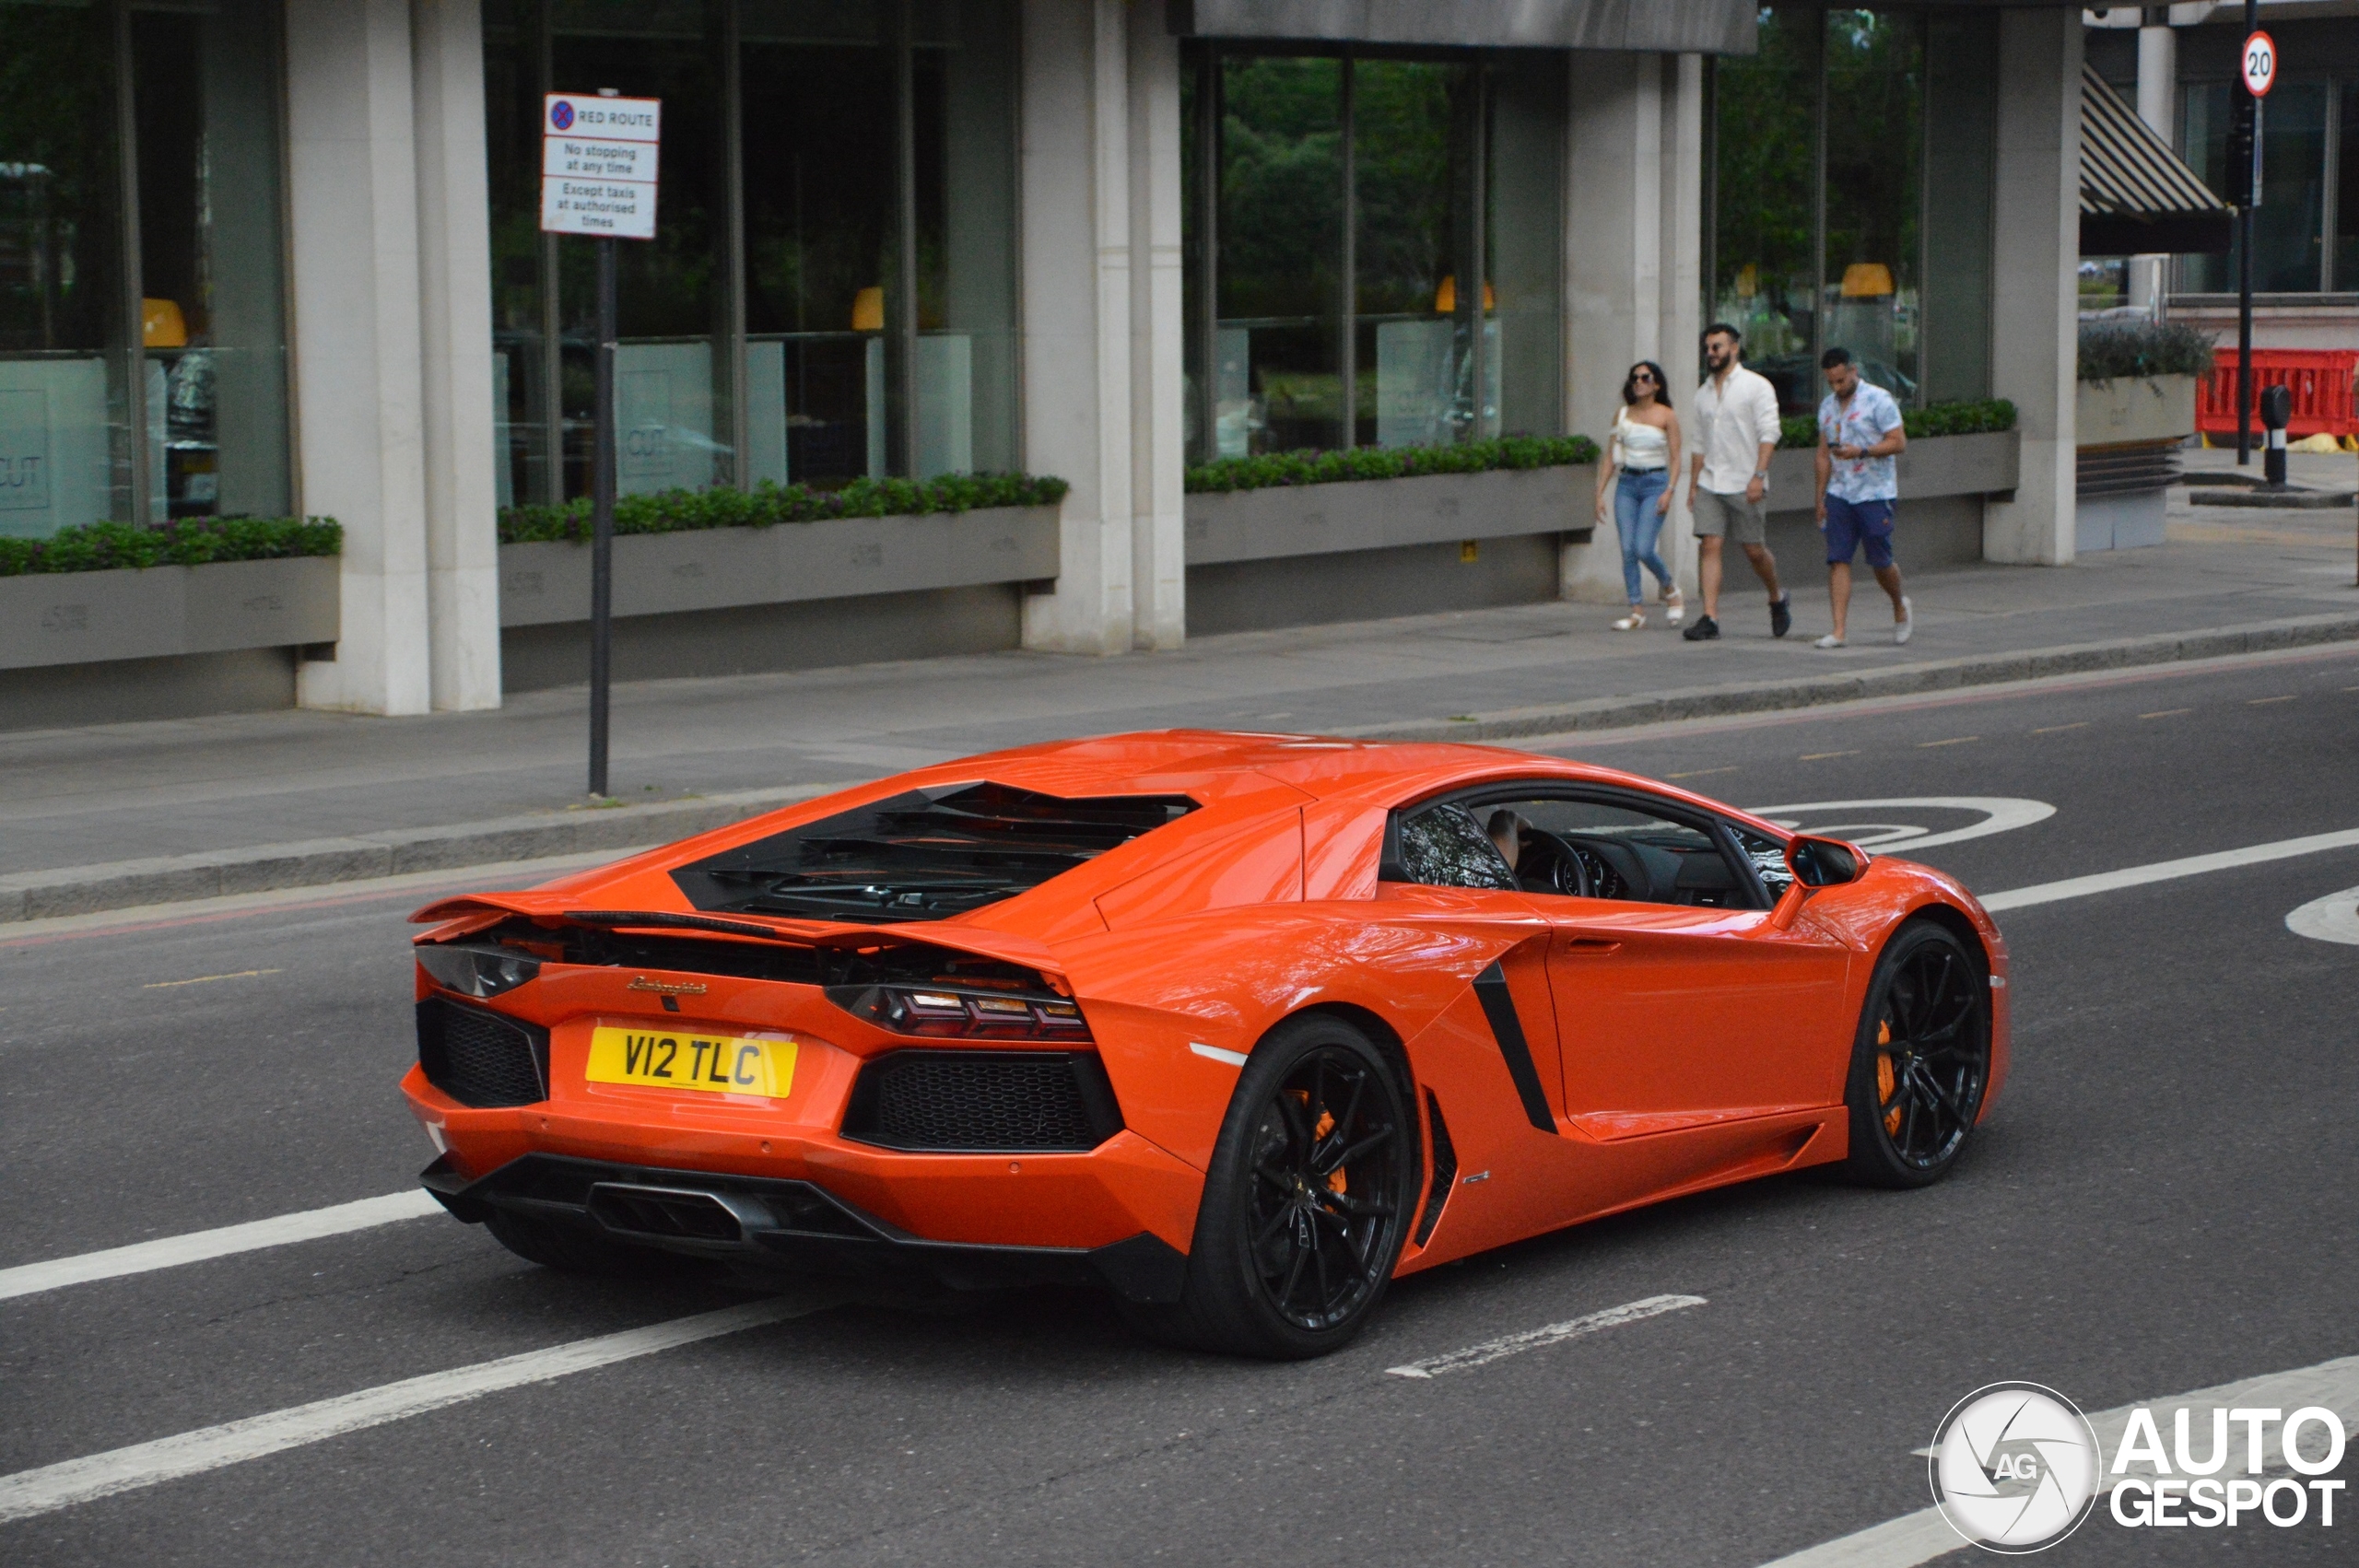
(172, 879)
(1898, 680)
(2307, 500)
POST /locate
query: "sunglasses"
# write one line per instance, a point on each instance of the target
(1642, 375)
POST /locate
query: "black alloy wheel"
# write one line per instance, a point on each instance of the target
(1307, 1203)
(1921, 1061)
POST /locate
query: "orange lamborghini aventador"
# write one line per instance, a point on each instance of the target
(1237, 1027)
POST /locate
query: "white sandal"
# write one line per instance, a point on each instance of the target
(1631, 622)
(1674, 605)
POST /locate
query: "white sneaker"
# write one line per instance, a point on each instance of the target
(1907, 627)
(1830, 640)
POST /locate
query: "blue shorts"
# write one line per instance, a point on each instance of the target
(1850, 524)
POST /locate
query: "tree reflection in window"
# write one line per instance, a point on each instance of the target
(1445, 847)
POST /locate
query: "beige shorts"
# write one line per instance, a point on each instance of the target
(1730, 516)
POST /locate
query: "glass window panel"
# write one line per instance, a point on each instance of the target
(2346, 201)
(63, 357)
(524, 423)
(1765, 226)
(965, 158)
(2289, 225)
(1280, 245)
(1874, 158)
(1405, 178)
(1526, 187)
(1961, 118)
(204, 88)
(672, 292)
(820, 240)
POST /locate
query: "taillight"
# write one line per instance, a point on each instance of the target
(963, 1013)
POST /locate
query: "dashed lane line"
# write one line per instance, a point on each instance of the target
(1923, 1535)
(166, 1252)
(51, 1487)
(2168, 870)
(1508, 1345)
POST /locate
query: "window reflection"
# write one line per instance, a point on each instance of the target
(1765, 137)
(1444, 847)
(2289, 226)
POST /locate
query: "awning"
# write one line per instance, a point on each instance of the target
(1703, 27)
(2136, 196)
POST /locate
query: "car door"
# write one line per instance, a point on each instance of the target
(1678, 1002)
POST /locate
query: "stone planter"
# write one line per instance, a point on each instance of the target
(1985, 464)
(51, 618)
(715, 568)
(2134, 410)
(1379, 514)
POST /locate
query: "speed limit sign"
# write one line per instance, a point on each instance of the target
(2260, 64)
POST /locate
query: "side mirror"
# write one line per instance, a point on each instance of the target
(1822, 862)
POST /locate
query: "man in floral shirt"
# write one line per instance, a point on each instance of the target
(1859, 436)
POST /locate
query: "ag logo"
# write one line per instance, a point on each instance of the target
(2015, 1468)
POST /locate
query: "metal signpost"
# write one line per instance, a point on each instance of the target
(2259, 72)
(598, 156)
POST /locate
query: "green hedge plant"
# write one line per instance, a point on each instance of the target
(2131, 349)
(195, 542)
(767, 505)
(1920, 424)
(1313, 467)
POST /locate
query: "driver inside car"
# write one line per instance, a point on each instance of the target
(1505, 830)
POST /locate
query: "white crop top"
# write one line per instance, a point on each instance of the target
(1644, 446)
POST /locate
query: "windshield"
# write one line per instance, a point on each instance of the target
(925, 855)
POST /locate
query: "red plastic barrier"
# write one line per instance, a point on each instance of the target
(2320, 380)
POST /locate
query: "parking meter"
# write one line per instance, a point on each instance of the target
(2276, 413)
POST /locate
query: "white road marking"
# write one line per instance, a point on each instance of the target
(2334, 917)
(2168, 870)
(167, 1252)
(1508, 1345)
(53, 1487)
(208, 979)
(1920, 1537)
(2002, 813)
(1213, 1053)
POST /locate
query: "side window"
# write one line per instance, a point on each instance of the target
(1444, 847)
(1612, 848)
(1768, 857)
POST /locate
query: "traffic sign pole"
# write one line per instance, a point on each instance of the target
(2259, 73)
(602, 516)
(598, 167)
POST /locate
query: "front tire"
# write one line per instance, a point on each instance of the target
(1920, 1061)
(1307, 1201)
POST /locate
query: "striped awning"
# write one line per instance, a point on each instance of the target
(2136, 196)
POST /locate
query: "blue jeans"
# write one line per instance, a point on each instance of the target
(1640, 524)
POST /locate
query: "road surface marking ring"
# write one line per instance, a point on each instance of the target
(2334, 917)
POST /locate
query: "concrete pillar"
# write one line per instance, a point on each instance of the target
(1077, 312)
(454, 275)
(2157, 82)
(353, 211)
(1683, 288)
(1626, 201)
(1158, 373)
(2036, 253)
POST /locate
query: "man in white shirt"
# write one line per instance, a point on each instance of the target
(1736, 431)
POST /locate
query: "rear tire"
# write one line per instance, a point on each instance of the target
(573, 1251)
(1920, 1061)
(1307, 1201)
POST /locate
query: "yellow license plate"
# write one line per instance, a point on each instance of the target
(715, 1064)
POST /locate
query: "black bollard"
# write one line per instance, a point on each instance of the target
(2276, 413)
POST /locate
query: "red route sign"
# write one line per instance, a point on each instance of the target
(2260, 64)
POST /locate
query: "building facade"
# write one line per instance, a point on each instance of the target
(263, 257)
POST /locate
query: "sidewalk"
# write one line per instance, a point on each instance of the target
(294, 798)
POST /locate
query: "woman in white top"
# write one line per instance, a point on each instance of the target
(1644, 448)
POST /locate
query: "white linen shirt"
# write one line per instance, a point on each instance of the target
(1730, 426)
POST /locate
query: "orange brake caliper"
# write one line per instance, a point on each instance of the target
(1885, 1080)
(1326, 1126)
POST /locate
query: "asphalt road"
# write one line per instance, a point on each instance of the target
(2163, 1202)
